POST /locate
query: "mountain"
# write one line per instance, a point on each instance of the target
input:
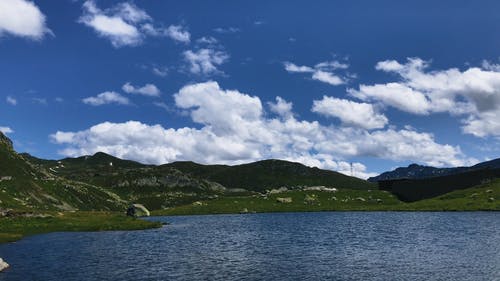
(102, 181)
(410, 190)
(24, 185)
(415, 171)
(154, 186)
(184, 182)
(269, 174)
(417, 182)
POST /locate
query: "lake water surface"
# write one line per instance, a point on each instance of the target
(281, 246)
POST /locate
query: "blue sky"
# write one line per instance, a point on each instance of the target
(378, 84)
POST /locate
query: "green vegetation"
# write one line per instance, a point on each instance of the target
(27, 186)
(14, 228)
(91, 193)
(268, 174)
(485, 197)
(302, 201)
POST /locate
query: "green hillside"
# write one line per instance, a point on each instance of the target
(26, 186)
(104, 182)
(179, 183)
(268, 174)
(484, 197)
(154, 186)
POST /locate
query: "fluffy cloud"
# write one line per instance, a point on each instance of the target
(10, 100)
(225, 111)
(322, 71)
(291, 67)
(106, 98)
(207, 40)
(119, 24)
(490, 66)
(22, 18)
(146, 90)
(234, 129)
(281, 107)
(396, 95)
(327, 77)
(6, 130)
(125, 24)
(178, 33)
(473, 93)
(362, 115)
(205, 61)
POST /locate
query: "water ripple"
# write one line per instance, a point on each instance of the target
(288, 246)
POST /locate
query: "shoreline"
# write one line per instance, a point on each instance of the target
(14, 229)
(167, 214)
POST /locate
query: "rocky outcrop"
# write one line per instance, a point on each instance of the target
(279, 190)
(137, 210)
(284, 199)
(3, 265)
(320, 188)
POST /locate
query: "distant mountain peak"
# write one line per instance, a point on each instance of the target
(416, 171)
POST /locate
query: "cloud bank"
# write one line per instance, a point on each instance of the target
(473, 94)
(236, 129)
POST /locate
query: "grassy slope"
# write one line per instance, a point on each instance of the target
(155, 187)
(471, 199)
(169, 185)
(12, 229)
(34, 187)
(269, 174)
(325, 202)
(474, 199)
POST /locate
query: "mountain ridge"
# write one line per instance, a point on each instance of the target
(415, 171)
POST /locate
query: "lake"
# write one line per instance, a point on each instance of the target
(279, 246)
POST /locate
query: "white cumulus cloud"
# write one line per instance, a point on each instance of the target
(235, 129)
(147, 90)
(205, 61)
(178, 33)
(118, 24)
(209, 40)
(473, 93)
(22, 18)
(281, 107)
(323, 71)
(362, 115)
(125, 24)
(106, 98)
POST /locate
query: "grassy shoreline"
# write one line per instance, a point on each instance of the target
(13, 229)
(481, 198)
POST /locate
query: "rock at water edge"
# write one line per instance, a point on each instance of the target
(137, 210)
(3, 265)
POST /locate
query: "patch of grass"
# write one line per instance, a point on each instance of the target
(485, 197)
(342, 200)
(269, 174)
(481, 198)
(12, 229)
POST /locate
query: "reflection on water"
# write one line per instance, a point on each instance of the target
(288, 246)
